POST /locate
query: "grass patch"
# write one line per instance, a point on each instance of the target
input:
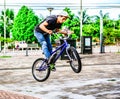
(118, 52)
(5, 56)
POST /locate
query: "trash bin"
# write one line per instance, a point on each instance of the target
(86, 44)
(72, 43)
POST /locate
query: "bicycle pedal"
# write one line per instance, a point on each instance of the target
(37, 69)
(53, 69)
(68, 61)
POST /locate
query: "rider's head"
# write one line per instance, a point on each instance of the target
(62, 17)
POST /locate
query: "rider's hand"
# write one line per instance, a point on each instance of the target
(50, 31)
(70, 32)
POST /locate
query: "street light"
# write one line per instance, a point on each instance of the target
(50, 9)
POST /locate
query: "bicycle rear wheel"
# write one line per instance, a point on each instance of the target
(75, 60)
(40, 70)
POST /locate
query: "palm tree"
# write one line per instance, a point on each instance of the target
(9, 22)
(85, 17)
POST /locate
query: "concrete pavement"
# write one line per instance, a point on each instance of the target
(19, 62)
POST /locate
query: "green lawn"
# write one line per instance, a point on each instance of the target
(5, 56)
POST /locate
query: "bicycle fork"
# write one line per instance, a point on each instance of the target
(68, 46)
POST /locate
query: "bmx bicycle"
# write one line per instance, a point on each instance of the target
(42, 68)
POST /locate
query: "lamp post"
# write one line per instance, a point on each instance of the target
(50, 9)
(0, 43)
(101, 32)
(4, 25)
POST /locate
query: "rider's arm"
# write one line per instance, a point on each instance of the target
(65, 32)
(43, 25)
(62, 31)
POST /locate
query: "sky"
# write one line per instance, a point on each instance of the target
(59, 1)
(40, 6)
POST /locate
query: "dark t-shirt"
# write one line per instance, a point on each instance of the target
(52, 24)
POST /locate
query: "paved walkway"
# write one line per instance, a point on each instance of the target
(12, 95)
(19, 60)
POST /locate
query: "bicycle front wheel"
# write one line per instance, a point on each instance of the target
(40, 70)
(75, 60)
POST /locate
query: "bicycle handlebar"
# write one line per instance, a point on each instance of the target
(66, 36)
(62, 37)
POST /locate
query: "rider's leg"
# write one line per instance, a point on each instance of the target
(52, 65)
(47, 37)
(41, 39)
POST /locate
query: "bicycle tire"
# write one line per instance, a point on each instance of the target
(74, 56)
(43, 74)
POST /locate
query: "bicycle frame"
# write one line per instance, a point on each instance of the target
(62, 47)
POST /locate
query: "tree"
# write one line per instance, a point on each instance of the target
(108, 30)
(1, 28)
(117, 30)
(73, 23)
(24, 24)
(9, 22)
(91, 27)
(85, 17)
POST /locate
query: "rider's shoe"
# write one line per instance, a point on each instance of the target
(52, 67)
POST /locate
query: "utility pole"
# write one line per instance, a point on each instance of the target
(101, 32)
(0, 43)
(81, 25)
(81, 15)
(4, 26)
